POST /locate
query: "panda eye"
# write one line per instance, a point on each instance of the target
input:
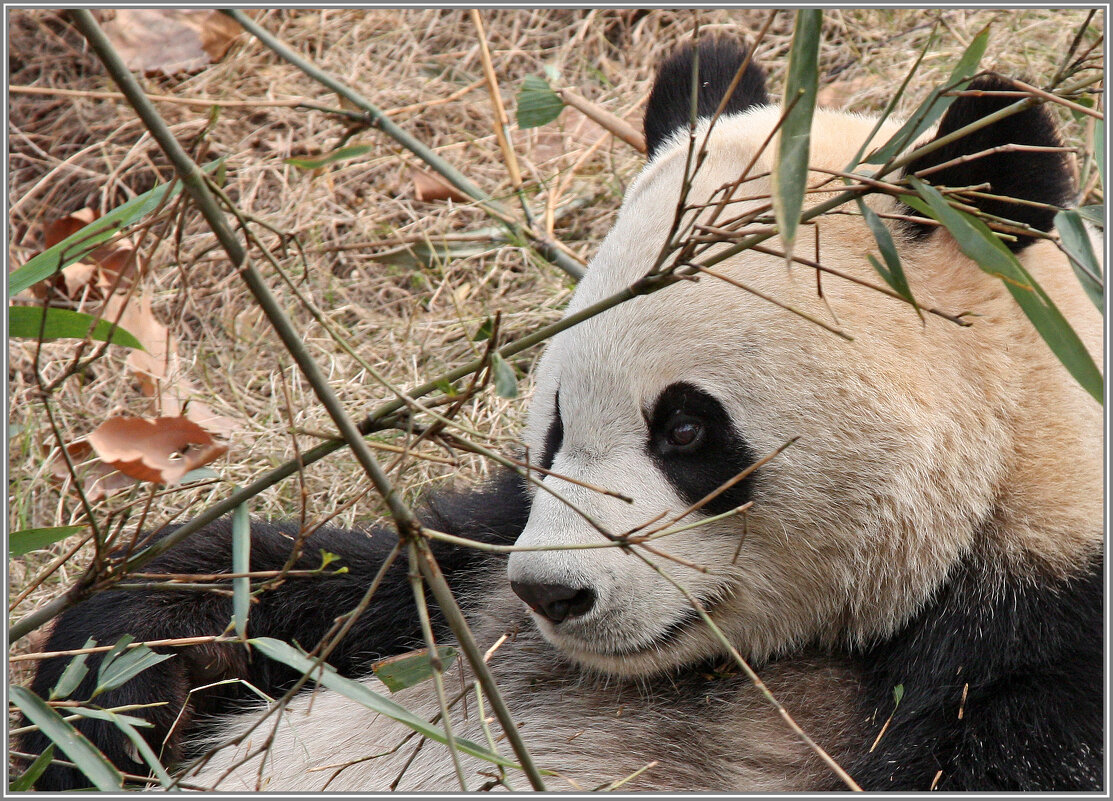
(685, 432)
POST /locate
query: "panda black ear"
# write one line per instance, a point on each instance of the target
(670, 102)
(1042, 177)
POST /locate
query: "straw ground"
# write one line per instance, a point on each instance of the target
(364, 234)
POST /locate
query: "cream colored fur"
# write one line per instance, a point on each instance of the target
(918, 442)
(591, 731)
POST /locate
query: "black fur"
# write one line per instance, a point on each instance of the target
(1040, 177)
(554, 436)
(669, 107)
(300, 610)
(707, 463)
(1030, 658)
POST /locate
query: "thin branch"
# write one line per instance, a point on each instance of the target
(757, 682)
(502, 122)
(769, 299)
(377, 119)
(1062, 101)
(435, 663)
(409, 529)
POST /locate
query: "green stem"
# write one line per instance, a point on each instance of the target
(455, 619)
(376, 118)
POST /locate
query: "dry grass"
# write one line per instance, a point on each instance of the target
(410, 322)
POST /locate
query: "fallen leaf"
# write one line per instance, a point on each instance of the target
(117, 259)
(429, 187)
(160, 450)
(77, 276)
(57, 230)
(98, 480)
(159, 369)
(110, 267)
(153, 365)
(203, 415)
(170, 40)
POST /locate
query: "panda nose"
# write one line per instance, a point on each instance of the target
(554, 602)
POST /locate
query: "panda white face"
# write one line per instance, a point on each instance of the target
(899, 440)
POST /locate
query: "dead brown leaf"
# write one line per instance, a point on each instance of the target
(154, 364)
(160, 450)
(158, 368)
(113, 265)
(429, 187)
(170, 40)
(57, 230)
(98, 480)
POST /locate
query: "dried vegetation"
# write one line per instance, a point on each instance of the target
(365, 235)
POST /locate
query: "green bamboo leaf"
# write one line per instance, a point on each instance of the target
(32, 774)
(80, 751)
(241, 563)
(113, 717)
(32, 539)
(892, 272)
(446, 387)
(71, 677)
(117, 649)
(120, 665)
(27, 322)
(978, 242)
(81, 243)
(790, 165)
(127, 724)
(484, 331)
(506, 380)
(935, 104)
(340, 154)
(198, 474)
(538, 104)
(406, 670)
(432, 254)
(362, 694)
(1095, 214)
(1076, 242)
(898, 694)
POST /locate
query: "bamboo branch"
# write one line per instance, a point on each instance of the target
(409, 529)
(377, 119)
(502, 122)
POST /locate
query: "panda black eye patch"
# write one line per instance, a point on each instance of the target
(697, 448)
(554, 437)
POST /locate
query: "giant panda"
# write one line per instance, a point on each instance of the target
(917, 577)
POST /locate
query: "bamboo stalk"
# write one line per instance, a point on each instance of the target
(377, 119)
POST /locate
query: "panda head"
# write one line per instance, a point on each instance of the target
(910, 438)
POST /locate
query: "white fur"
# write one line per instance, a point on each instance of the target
(907, 435)
(588, 731)
(918, 442)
